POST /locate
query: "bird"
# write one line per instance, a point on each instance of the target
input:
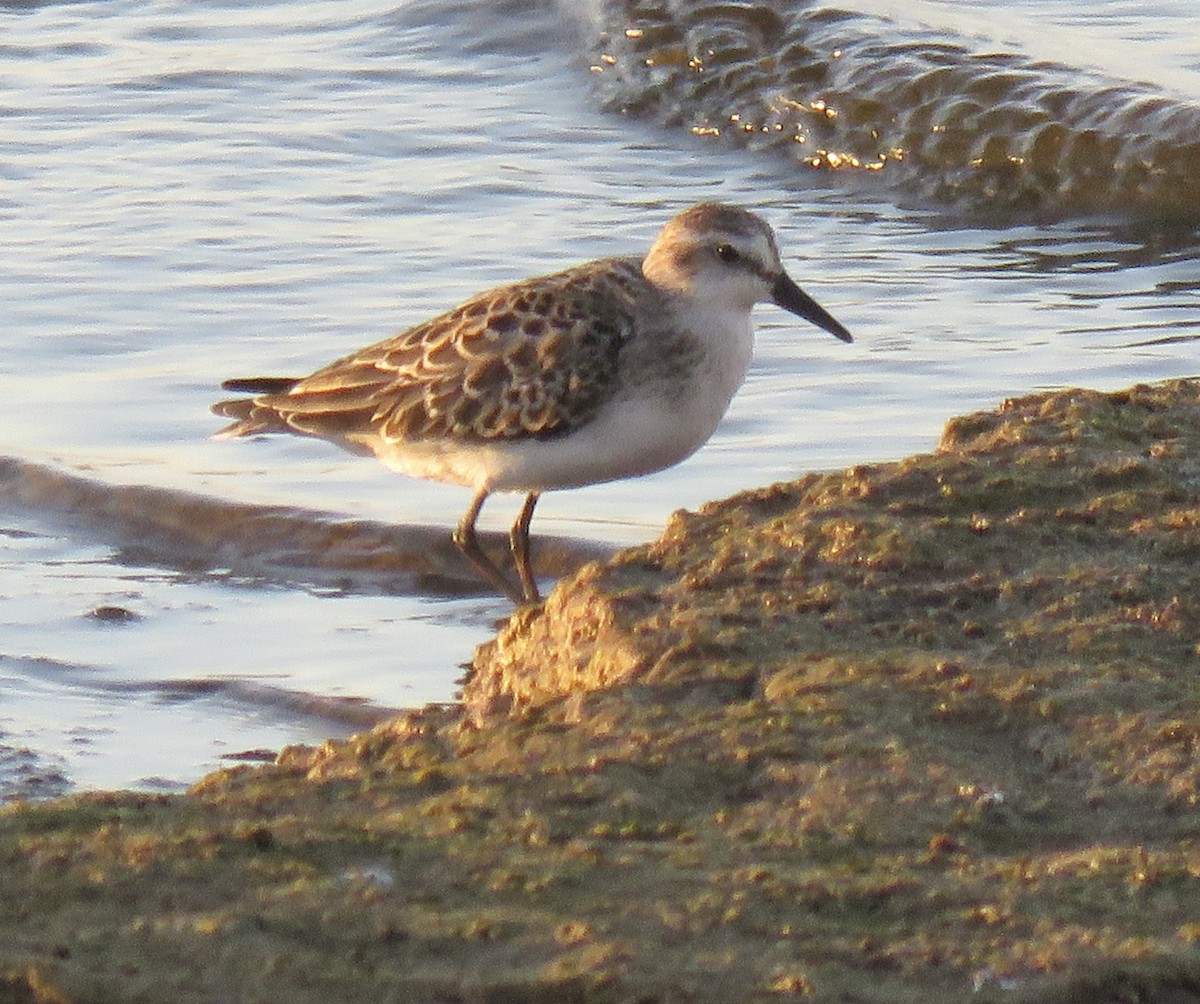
(611, 369)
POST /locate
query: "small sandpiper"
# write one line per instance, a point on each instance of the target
(608, 370)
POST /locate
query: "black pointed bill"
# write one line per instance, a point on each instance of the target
(792, 298)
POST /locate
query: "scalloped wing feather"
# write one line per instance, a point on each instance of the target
(534, 359)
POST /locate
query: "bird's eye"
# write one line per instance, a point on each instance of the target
(728, 254)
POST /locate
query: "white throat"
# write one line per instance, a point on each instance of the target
(727, 333)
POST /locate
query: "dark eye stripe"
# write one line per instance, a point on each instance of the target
(732, 256)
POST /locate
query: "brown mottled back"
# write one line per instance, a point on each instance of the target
(534, 359)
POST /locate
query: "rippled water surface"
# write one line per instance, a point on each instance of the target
(190, 192)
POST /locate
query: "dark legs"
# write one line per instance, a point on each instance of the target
(518, 540)
(468, 543)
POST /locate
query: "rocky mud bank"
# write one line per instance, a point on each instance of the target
(916, 731)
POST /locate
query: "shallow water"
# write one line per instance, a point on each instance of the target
(191, 192)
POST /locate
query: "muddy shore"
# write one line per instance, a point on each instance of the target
(917, 731)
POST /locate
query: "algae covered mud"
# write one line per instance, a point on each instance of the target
(911, 732)
(993, 196)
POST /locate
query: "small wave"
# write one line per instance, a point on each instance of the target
(199, 534)
(859, 97)
(239, 692)
(27, 775)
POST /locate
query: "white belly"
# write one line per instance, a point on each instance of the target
(624, 440)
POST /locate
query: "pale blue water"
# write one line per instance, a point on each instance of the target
(195, 191)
